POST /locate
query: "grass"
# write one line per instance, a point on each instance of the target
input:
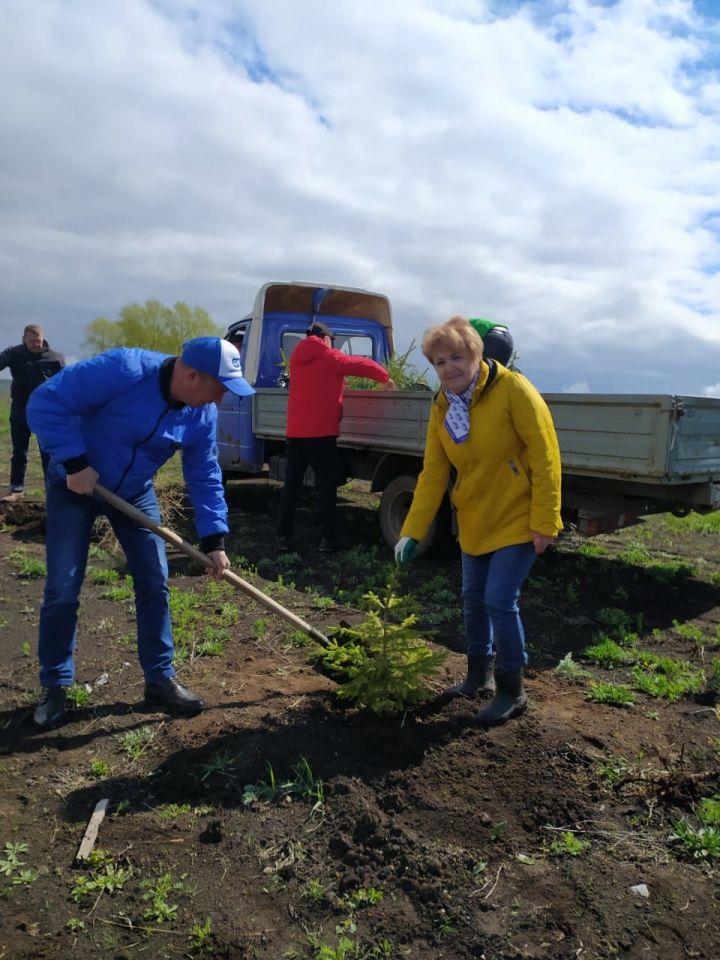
(302, 783)
(613, 694)
(102, 575)
(135, 742)
(28, 568)
(569, 845)
(607, 653)
(665, 677)
(569, 670)
(78, 696)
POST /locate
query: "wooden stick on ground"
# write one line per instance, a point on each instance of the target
(91, 831)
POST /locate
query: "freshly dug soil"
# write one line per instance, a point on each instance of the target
(434, 839)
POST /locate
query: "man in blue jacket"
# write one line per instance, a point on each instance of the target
(116, 419)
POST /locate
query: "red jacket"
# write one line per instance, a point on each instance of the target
(317, 377)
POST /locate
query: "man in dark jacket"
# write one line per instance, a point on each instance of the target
(116, 419)
(31, 363)
(317, 378)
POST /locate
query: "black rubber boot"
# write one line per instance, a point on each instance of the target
(509, 701)
(50, 709)
(479, 679)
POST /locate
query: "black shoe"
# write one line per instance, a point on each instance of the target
(172, 694)
(50, 709)
(283, 545)
(327, 545)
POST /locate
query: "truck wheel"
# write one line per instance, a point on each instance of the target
(394, 505)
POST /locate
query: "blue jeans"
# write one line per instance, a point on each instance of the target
(491, 585)
(70, 519)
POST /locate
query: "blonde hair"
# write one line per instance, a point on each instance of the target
(455, 334)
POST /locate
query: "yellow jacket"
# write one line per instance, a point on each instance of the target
(508, 469)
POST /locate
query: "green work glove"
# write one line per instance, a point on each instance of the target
(405, 550)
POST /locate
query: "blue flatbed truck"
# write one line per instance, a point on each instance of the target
(623, 455)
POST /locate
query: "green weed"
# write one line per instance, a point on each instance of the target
(315, 890)
(613, 694)
(569, 670)
(665, 677)
(689, 631)
(591, 550)
(298, 638)
(105, 877)
(171, 811)
(607, 653)
(703, 843)
(201, 935)
(159, 910)
(120, 593)
(10, 860)
(569, 845)
(78, 696)
(103, 576)
(135, 742)
(302, 784)
(614, 621)
(260, 628)
(99, 768)
(709, 811)
(220, 763)
(497, 831)
(614, 769)
(27, 567)
(363, 897)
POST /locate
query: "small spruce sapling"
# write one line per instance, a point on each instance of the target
(382, 663)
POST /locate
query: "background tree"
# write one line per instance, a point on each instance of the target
(150, 325)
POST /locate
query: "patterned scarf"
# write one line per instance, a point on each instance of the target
(457, 419)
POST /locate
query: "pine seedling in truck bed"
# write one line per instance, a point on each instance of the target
(382, 663)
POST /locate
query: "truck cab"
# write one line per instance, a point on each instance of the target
(360, 320)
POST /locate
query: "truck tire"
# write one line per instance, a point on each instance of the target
(394, 505)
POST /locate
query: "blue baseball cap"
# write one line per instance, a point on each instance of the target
(220, 359)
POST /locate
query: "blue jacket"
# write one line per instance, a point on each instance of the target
(114, 413)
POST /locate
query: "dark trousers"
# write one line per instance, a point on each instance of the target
(20, 435)
(321, 454)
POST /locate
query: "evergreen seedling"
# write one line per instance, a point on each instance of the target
(382, 664)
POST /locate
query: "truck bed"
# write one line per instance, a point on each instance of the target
(653, 440)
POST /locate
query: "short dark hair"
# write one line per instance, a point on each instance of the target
(319, 329)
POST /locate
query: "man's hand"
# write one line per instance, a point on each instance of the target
(83, 482)
(405, 550)
(220, 563)
(541, 542)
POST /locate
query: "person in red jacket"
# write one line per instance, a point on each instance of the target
(317, 378)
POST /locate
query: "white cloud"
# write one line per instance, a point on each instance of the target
(713, 391)
(582, 386)
(556, 169)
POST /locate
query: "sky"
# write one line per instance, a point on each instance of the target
(553, 166)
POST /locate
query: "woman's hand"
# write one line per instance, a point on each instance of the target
(541, 542)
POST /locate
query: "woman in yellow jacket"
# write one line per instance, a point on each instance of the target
(492, 426)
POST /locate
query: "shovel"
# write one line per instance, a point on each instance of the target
(145, 521)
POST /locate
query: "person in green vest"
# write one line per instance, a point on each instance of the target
(497, 340)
